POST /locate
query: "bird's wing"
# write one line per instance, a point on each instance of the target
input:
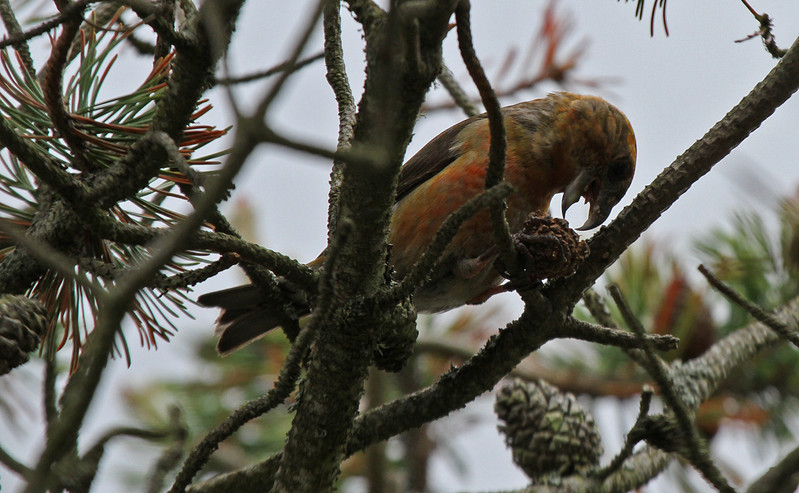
(432, 158)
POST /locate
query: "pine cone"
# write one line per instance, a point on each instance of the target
(398, 338)
(547, 248)
(547, 431)
(23, 322)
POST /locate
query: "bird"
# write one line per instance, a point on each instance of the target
(578, 145)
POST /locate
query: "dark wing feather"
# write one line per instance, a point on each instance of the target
(431, 159)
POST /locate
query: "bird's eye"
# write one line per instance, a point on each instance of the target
(619, 169)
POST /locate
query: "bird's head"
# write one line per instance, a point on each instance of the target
(600, 148)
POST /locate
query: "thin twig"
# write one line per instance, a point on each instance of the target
(127, 431)
(598, 309)
(765, 32)
(768, 319)
(52, 89)
(781, 478)
(498, 146)
(285, 66)
(336, 76)
(490, 198)
(578, 329)
(191, 277)
(299, 46)
(362, 157)
(13, 464)
(696, 449)
(457, 93)
(154, 15)
(14, 29)
(171, 456)
(630, 441)
(72, 10)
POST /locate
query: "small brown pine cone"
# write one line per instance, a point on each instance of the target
(23, 322)
(548, 248)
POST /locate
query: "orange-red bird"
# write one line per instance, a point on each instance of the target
(579, 145)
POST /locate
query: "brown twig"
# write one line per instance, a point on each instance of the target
(14, 29)
(498, 146)
(336, 76)
(69, 12)
(52, 88)
(546, 44)
(695, 449)
(285, 66)
(631, 440)
(765, 32)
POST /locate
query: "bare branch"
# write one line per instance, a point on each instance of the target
(15, 30)
(71, 11)
(696, 449)
(498, 146)
(337, 79)
(630, 441)
(578, 329)
(786, 331)
(455, 90)
(490, 198)
(782, 478)
(285, 66)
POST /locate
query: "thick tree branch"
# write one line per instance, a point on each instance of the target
(337, 79)
(403, 57)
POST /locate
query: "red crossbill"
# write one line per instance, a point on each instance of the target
(579, 145)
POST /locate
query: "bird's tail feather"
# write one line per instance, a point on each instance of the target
(246, 316)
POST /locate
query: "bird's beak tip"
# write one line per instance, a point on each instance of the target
(589, 224)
